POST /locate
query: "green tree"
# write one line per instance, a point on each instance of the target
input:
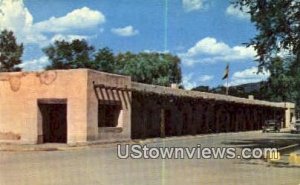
(201, 88)
(277, 23)
(69, 55)
(280, 84)
(294, 72)
(10, 52)
(151, 68)
(104, 60)
(278, 30)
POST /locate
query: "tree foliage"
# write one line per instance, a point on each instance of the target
(278, 34)
(10, 52)
(104, 60)
(152, 68)
(69, 55)
(202, 88)
(278, 25)
(280, 84)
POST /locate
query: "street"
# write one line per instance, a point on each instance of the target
(100, 165)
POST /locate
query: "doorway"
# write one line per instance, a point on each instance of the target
(54, 121)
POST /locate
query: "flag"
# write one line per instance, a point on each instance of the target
(226, 73)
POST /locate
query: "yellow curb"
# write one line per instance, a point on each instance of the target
(294, 159)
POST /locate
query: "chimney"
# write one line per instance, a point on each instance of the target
(174, 86)
(250, 97)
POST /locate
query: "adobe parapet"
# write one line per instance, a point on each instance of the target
(204, 95)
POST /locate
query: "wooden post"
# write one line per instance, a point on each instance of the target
(217, 120)
(162, 123)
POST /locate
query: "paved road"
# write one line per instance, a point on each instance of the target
(98, 165)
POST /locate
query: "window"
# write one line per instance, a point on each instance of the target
(109, 114)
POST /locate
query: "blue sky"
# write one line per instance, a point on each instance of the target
(205, 34)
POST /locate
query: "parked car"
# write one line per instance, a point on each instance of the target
(271, 126)
(295, 127)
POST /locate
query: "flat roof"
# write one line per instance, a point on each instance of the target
(204, 95)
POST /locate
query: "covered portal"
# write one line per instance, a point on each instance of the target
(81, 105)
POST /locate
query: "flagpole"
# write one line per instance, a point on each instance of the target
(227, 87)
(226, 75)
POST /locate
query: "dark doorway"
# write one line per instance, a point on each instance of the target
(54, 122)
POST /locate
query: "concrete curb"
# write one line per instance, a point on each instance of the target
(107, 143)
(188, 137)
(59, 147)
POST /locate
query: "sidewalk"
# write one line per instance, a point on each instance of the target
(39, 147)
(104, 144)
(56, 146)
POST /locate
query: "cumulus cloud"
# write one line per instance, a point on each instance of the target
(209, 50)
(236, 12)
(249, 75)
(191, 81)
(188, 81)
(193, 5)
(208, 45)
(126, 31)
(77, 19)
(16, 17)
(35, 64)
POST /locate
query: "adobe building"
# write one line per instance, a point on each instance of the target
(82, 105)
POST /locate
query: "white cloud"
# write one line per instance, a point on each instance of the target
(236, 12)
(205, 78)
(189, 81)
(16, 17)
(35, 64)
(83, 18)
(209, 50)
(126, 31)
(208, 45)
(193, 5)
(68, 38)
(249, 75)
(283, 53)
